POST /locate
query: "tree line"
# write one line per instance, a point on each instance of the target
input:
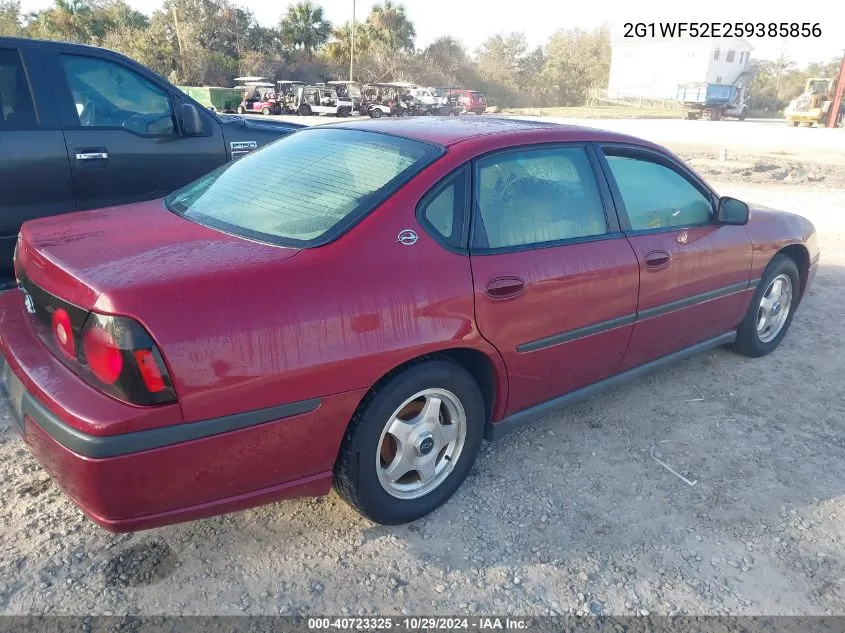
(210, 42)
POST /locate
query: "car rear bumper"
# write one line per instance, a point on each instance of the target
(135, 480)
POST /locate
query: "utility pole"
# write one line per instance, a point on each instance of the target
(179, 42)
(352, 43)
(833, 117)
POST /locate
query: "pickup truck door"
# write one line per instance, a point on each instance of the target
(123, 133)
(32, 151)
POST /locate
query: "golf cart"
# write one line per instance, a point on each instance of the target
(348, 90)
(286, 90)
(258, 96)
(314, 100)
(388, 99)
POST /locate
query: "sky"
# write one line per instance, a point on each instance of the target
(471, 22)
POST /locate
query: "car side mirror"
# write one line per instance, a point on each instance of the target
(732, 211)
(191, 121)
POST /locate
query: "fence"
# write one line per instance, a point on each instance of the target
(601, 98)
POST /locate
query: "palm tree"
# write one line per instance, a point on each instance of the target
(339, 46)
(305, 27)
(69, 20)
(73, 19)
(390, 26)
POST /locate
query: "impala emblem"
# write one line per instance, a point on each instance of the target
(683, 238)
(407, 237)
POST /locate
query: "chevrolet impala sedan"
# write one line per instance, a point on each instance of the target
(359, 304)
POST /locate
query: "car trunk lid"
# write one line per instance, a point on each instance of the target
(89, 257)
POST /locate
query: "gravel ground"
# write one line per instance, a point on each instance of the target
(568, 515)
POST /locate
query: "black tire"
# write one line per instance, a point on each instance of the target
(265, 111)
(355, 475)
(304, 110)
(241, 110)
(375, 113)
(742, 115)
(748, 341)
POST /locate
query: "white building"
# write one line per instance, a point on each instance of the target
(655, 67)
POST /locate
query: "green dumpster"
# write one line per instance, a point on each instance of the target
(221, 99)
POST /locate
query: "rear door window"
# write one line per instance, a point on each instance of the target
(16, 108)
(536, 197)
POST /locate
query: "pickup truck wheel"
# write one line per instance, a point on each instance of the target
(771, 310)
(411, 443)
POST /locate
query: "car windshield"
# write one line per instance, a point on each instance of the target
(303, 189)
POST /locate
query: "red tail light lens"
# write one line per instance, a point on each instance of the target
(63, 333)
(150, 371)
(104, 358)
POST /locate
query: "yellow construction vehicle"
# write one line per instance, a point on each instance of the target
(812, 105)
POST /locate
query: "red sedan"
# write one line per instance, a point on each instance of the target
(358, 304)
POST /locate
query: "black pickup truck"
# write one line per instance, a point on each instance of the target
(84, 127)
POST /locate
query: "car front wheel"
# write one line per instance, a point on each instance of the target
(411, 443)
(771, 310)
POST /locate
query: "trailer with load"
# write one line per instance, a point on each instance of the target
(715, 101)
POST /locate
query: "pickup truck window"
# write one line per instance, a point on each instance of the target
(108, 95)
(304, 189)
(16, 111)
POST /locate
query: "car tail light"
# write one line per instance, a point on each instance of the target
(122, 360)
(63, 333)
(102, 354)
(115, 354)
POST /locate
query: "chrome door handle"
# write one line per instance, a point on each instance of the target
(92, 156)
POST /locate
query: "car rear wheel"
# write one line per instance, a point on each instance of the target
(304, 110)
(771, 310)
(411, 443)
(265, 111)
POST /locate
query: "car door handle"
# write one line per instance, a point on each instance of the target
(92, 155)
(505, 287)
(657, 259)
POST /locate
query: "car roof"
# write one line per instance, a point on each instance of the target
(447, 131)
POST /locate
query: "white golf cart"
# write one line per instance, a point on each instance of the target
(348, 90)
(313, 100)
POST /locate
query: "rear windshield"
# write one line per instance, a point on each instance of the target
(304, 189)
(477, 95)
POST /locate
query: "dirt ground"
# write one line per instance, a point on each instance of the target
(568, 515)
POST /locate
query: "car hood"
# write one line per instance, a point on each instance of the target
(232, 121)
(100, 259)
